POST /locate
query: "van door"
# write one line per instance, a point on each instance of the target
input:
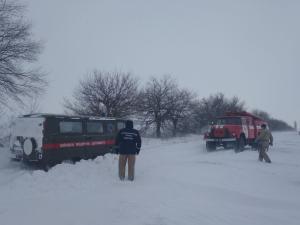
(72, 138)
(110, 132)
(66, 141)
(96, 138)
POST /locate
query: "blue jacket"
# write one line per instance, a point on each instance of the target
(128, 141)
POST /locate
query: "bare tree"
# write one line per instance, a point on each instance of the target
(17, 51)
(156, 101)
(181, 102)
(218, 104)
(105, 93)
(207, 109)
(31, 105)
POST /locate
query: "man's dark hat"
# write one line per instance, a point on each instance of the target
(129, 124)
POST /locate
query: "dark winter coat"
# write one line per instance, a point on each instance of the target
(128, 141)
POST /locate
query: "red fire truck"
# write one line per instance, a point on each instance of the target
(233, 130)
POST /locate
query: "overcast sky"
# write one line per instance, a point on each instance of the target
(245, 48)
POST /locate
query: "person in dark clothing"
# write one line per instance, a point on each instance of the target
(128, 145)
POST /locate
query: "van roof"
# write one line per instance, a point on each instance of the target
(48, 115)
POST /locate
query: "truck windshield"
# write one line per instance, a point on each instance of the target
(229, 121)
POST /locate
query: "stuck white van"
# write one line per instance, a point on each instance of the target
(50, 139)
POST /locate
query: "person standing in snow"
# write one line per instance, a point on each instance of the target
(128, 145)
(263, 140)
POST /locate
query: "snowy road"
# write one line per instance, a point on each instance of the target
(177, 182)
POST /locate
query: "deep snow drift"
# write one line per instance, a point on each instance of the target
(177, 182)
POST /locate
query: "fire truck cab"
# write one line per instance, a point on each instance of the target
(233, 130)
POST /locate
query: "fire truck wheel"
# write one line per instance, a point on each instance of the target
(227, 146)
(240, 144)
(210, 146)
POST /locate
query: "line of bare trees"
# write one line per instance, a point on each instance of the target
(273, 123)
(160, 104)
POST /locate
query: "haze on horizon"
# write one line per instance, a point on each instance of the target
(248, 49)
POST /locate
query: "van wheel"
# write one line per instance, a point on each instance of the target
(29, 146)
(46, 167)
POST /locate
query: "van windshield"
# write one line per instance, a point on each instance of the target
(229, 121)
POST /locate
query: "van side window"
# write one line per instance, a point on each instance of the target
(110, 128)
(70, 127)
(120, 125)
(94, 127)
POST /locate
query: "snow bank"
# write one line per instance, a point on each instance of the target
(177, 182)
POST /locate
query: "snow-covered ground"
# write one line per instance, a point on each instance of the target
(177, 182)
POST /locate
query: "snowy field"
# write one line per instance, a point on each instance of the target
(177, 183)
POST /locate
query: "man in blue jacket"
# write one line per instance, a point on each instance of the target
(128, 144)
